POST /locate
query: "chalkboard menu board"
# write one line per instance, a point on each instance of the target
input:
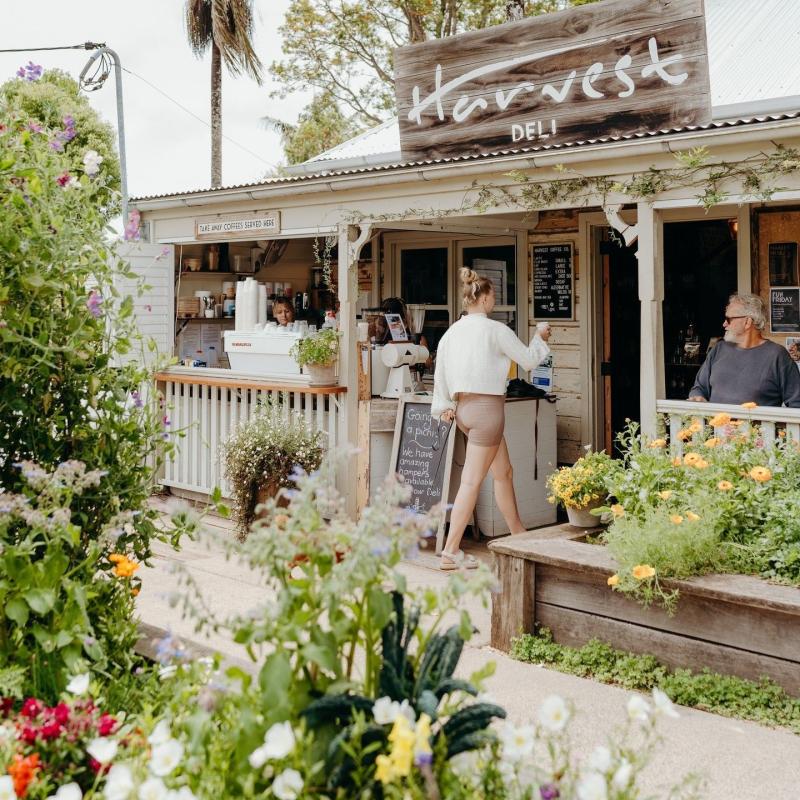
(552, 281)
(422, 454)
(784, 310)
(783, 263)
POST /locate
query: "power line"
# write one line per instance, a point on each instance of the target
(84, 46)
(198, 118)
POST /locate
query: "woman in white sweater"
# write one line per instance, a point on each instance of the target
(472, 364)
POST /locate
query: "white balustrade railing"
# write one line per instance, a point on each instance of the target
(771, 422)
(206, 409)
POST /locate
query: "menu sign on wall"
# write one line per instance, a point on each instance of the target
(604, 69)
(552, 282)
(784, 310)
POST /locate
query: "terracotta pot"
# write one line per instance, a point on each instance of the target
(265, 493)
(582, 518)
(321, 375)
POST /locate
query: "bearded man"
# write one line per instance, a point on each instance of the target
(746, 367)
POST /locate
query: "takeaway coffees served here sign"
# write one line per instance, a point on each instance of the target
(606, 69)
(246, 224)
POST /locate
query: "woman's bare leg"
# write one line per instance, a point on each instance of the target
(503, 475)
(476, 466)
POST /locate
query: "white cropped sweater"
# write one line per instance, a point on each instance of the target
(474, 356)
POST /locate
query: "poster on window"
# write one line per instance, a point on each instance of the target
(784, 309)
(783, 264)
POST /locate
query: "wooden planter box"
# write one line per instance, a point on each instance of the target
(732, 624)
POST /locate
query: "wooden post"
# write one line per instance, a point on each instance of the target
(351, 240)
(651, 295)
(364, 400)
(513, 609)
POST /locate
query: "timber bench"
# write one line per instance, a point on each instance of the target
(733, 624)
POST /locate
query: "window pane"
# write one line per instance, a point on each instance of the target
(423, 276)
(437, 321)
(498, 263)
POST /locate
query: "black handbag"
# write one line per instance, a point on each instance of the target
(519, 388)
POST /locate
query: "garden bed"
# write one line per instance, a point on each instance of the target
(733, 624)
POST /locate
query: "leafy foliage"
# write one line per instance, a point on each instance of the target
(584, 482)
(763, 701)
(321, 348)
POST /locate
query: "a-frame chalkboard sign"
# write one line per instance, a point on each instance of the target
(422, 453)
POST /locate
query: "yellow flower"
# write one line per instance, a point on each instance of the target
(719, 420)
(695, 427)
(676, 462)
(735, 423)
(749, 404)
(402, 739)
(115, 558)
(691, 516)
(684, 434)
(617, 510)
(700, 464)
(666, 494)
(690, 459)
(613, 580)
(422, 743)
(712, 442)
(724, 486)
(658, 444)
(675, 519)
(642, 571)
(760, 474)
(384, 771)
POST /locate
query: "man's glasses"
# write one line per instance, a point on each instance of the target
(741, 316)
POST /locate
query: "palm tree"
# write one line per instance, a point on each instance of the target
(226, 25)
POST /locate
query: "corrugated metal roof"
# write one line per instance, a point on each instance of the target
(754, 75)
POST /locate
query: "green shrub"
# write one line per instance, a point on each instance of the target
(319, 349)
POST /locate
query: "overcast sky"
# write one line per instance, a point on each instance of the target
(167, 149)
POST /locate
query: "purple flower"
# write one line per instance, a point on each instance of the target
(69, 131)
(55, 144)
(137, 399)
(34, 127)
(549, 791)
(30, 72)
(132, 228)
(166, 421)
(423, 759)
(94, 302)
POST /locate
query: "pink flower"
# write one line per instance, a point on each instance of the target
(31, 708)
(132, 228)
(51, 730)
(63, 179)
(61, 713)
(30, 72)
(106, 725)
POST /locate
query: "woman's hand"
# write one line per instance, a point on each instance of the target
(448, 415)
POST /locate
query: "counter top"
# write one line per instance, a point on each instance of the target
(225, 377)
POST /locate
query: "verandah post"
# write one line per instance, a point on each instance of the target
(651, 296)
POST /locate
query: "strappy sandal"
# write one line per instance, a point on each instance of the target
(458, 560)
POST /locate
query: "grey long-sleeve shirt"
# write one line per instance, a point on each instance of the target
(765, 375)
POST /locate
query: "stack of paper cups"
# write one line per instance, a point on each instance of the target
(363, 331)
(262, 304)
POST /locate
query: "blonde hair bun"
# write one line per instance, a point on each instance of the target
(468, 275)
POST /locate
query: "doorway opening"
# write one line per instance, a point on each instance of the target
(699, 276)
(621, 344)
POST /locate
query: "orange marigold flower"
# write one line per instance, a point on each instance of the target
(684, 434)
(690, 459)
(700, 464)
(665, 494)
(691, 516)
(736, 423)
(676, 462)
(658, 444)
(613, 580)
(718, 420)
(676, 519)
(695, 427)
(115, 558)
(749, 404)
(760, 474)
(642, 572)
(712, 442)
(724, 486)
(617, 510)
(23, 771)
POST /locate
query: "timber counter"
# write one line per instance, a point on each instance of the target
(530, 433)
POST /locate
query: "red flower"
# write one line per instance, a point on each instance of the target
(52, 730)
(61, 713)
(63, 180)
(31, 708)
(28, 734)
(106, 725)
(6, 706)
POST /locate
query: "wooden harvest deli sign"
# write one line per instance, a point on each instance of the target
(246, 224)
(605, 69)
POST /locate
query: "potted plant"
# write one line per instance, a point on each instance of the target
(317, 355)
(582, 487)
(261, 458)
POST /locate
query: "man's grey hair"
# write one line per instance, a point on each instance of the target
(754, 307)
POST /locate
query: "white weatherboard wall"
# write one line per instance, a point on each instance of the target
(154, 309)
